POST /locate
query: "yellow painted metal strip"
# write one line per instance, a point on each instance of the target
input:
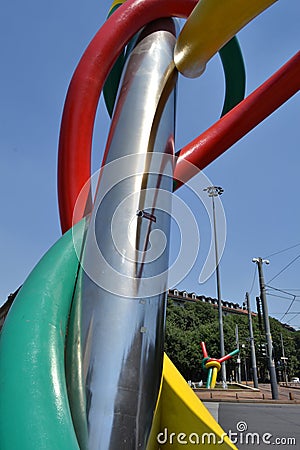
(211, 25)
(181, 412)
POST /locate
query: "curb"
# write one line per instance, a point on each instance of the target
(255, 401)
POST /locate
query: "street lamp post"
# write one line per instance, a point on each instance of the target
(239, 372)
(215, 191)
(271, 363)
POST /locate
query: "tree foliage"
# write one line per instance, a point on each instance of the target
(191, 323)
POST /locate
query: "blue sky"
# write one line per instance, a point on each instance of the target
(41, 43)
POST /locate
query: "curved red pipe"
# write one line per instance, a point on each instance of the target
(75, 142)
(74, 168)
(239, 121)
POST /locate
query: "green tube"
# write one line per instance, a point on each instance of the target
(34, 407)
(235, 75)
(74, 369)
(111, 86)
(209, 377)
(203, 362)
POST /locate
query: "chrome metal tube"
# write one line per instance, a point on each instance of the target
(123, 283)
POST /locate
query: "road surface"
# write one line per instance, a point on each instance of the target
(251, 425)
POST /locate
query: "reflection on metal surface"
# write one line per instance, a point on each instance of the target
(122, 336)
(149, 216)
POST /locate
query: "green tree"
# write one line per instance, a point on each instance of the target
(188, 325)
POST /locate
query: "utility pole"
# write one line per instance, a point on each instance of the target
(271, 364)
(245, 364)
(252, 346)
(284, 360)
(215, 191)
(239, 372)
(258, 307)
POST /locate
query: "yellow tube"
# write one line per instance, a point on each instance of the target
(211, 25)
(214, 377)
(114, 4)
(213, 364)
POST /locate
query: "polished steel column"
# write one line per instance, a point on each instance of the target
(123, 283)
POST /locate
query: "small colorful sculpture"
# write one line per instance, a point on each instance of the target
(213, 365)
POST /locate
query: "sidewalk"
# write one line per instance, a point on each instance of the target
(287, 394)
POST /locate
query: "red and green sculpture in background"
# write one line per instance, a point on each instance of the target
(213, 365)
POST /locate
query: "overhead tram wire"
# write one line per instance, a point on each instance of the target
(288, 289)
(253, 281)
(280, 296)
(284, 292)
(282, 270)
(288, 310)
(284, 250)
(294, 317)
(281, 290)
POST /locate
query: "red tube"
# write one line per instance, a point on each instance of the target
(229, 356)
(240, 120)
(204, 351)
(75, 142)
